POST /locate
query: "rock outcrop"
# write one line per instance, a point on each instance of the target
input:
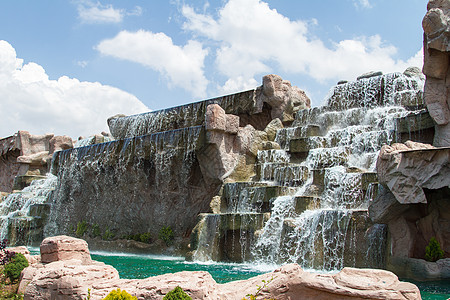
(413, 202)
(284, 99)
(407, 169)
(436, 27)
(28, 154)
(70, 278)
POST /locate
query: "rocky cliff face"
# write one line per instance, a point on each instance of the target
(167, 163)
(414, 197)
(436, 27)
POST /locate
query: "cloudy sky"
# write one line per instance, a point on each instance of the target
(67, 65)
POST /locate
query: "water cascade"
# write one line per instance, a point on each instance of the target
(313, 193)
(23, 213)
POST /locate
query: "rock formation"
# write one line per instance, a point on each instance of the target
(27, 156)
(68, 277)
(413, 202)
(169, 161)
(414, 177)
(407, 169)
(436, 27)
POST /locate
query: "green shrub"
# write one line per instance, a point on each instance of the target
(177, 294)
(145, 237)
(119, 295)
(433, 251)
(81, 228)
(166, 235)
(95, 231)
(13, 269)
(107, 235)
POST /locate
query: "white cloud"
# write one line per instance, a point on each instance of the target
(254, 39)
(181, 65)
(94, 12)
(233, 85)
(362, 4)
(30, 101)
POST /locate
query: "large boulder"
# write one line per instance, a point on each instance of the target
(436, 26)
(284, 99)
(407, 169)
(64, 247)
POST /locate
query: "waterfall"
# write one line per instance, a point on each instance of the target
(329, 155)
(15, 209)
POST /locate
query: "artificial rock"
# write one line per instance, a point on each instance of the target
(436, 25)
(67, 278)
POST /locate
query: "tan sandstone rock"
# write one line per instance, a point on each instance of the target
(71, 280)
(63, 247)
(65, 279)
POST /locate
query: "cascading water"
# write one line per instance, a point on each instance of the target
(15, 209)
(327, 161)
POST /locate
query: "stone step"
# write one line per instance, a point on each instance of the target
(284, 174)
(364, 180)
(39, 210)
(272, 156)
(252, 198)
(303, 203)
(416, 126)
(357, 138)
(22, 181)
(284, 135)
(239, 221)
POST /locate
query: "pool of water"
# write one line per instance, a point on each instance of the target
(143, 266)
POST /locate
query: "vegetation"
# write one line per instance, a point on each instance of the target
(119, 295)
(140, 237)
(95, 231)
(258, 290)
(177, 294)
(107, 235)
(166, 235)
(81, 228)
(433, 251)
(9, 266)
(13, 269)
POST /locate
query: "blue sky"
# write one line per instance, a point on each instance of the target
(66, 66)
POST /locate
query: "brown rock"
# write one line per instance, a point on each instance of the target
(39, 158)
(215, 118)
(402, 237)
(272, 128)
(436, 25)
(284, 99)
(70, 279)
(232, 124)
(407, 169)
(64, 247)
(60, 143)
(291, 282)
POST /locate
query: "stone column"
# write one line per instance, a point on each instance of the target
(436, 27)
